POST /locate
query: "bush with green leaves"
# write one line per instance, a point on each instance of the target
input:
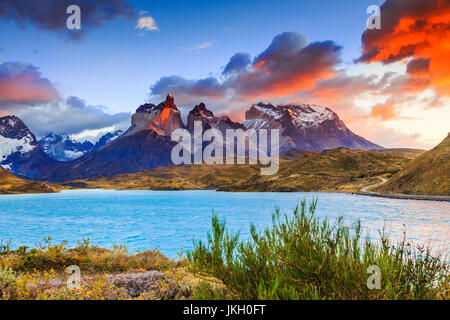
(302, 257)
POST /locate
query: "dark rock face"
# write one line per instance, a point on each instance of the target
(20, 152)
(107, 138)
(209, 121)
(305, 127)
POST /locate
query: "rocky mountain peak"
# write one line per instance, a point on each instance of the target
(203, 114)
(12, 127)
(304, 127)
(170, 102)
(162, 118)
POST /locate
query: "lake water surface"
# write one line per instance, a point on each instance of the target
(169, 220)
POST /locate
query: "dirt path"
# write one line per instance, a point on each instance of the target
(194, 185)
(365, 192)
(366, 189)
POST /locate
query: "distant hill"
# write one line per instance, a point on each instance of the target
(10, 184)
(429, 174)
(332, 170)
(405, 152)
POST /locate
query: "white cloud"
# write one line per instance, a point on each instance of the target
(146, 23)
(203, 45)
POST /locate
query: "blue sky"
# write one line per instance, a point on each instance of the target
(104, 76)
(115, 65)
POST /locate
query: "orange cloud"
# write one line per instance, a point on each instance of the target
(384, 112)
(418, 29)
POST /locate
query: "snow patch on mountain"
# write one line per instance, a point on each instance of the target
(301, 116)
(9, 146)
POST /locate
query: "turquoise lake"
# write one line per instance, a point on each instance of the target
(169, 220)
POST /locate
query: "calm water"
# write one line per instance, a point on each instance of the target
(169, 220)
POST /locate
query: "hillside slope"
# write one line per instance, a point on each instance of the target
(10, 184)
(429, 174)
(333, 170)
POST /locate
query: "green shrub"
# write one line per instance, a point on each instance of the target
(301, 257)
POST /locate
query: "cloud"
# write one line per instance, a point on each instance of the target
(288, 65)
(27, 94)
(203, 45)
(50, 15)
(384, 111)
(146, 23)
(71, 116)
(237, 63)
(22, 83)
(418, 66)
(293, 70)
(413, 29)
(188, 90)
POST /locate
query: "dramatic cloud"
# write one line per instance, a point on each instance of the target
(27, 94)
(146, 23)
(71, 116)
(418, 66)
(207, 87)
(51, 15)
(288, 65)
(237, 63)
(22, 83)
(413, 29)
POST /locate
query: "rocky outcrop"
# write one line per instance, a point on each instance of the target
(162, 118)
(209, 121)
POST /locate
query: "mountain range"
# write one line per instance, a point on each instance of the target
(63, 148)
(147, 143)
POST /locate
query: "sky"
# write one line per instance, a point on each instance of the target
(390, 86)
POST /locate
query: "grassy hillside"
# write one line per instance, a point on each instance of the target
(331, 170)
(405, 152)
(334, 170)
(10, 184)
(428, 174)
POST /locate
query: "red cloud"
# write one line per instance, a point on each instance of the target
(290, 64)
(23, 84)
(418, 29)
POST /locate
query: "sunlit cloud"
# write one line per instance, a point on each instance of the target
(146, 23)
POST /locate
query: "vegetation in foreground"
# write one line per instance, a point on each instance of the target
(299, 257)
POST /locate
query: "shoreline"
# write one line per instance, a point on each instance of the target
(403, 196)
(358, 193)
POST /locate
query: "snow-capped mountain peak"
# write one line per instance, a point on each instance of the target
(62, 148)
(14, 138)
(300, 116)
(304, 127)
